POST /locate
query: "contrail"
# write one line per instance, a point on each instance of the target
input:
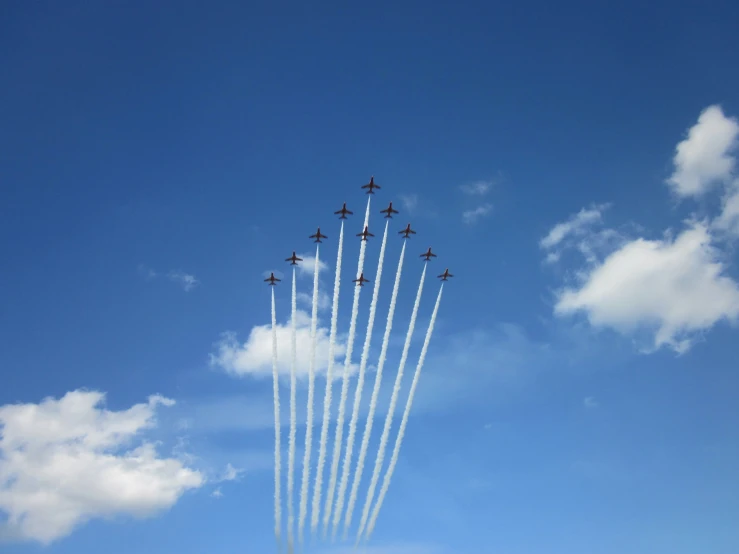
(358, 399)
(309, 421)
(375, 394)
(393, 401)
(293, 425)
(404, 421)
(316, 512)
(276, 389)
(345, 383)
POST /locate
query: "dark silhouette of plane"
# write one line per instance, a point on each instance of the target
(343, 211)
(318, 236)
(272, 279)
(293, 259)
(389, 211)
(364, 234)
(361, 281)
(445, 276)
(428, 254)
(407, 232)
(371, 185)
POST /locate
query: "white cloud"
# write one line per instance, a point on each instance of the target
(307, 267)
(217, 493)
(675, 288)
(728, 220)
(306, 299)
(255, 355)
(478, 188)
(703, 159)
(185, 280)
(63, 462)
(471, 216)
(590, 402)
(578, 224)
(410, 202)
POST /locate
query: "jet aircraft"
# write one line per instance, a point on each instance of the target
(407, 232)
(428, 254)
(371, 185)
(343, 211)
(364, 234)
(293, 259)
(389, 211)
(445, 276)
(318, 236)
(361, 281)
(272, 279)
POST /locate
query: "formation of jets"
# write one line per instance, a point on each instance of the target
(407, 232)
(389, 211)
(361, 281)
(364, 234)
(371, 186)
(445, 276)
(318, 236)
(293, 259)
(342, 213)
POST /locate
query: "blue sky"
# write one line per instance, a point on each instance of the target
(574, 165)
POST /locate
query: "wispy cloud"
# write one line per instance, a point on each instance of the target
(478, 188)
(472, 216)
(590, 402)
(147, 272)
(185, 280)
(409, 202)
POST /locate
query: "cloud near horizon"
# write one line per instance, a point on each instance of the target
(64, 462)
(674, 287)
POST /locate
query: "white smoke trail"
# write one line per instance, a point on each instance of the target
(389, 417)
(345, 383)
(358, 398)
(316, 513)
(293, 426)
(404, 421)
(375, 394)
(276, 389)
(309, 420)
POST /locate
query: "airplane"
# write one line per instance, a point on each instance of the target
(272, 279)
(428, 254)
(445, 276)
(407, 232)
(371, 185)
(318, 236)
(364, 234)
(389, 211)
(361, 281)
(343, 211)
(294, 259)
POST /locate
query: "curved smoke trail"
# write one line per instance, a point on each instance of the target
(316, 513)
(358, 397)
(375, 394)
(309, 421)
(293, 425)
(276, 390)
(404, 421)
(345, 382)
(393, 401)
